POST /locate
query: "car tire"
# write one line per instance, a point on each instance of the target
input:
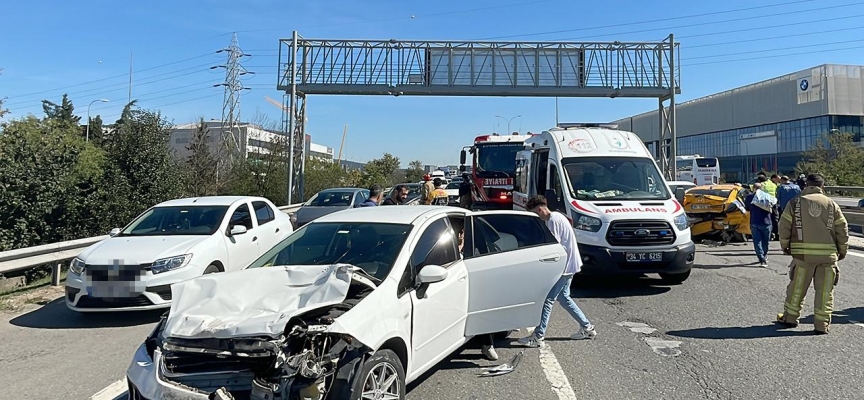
(675, 279)
(212, 269)
(383, 361)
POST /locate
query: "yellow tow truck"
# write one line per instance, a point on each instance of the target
(718, 210)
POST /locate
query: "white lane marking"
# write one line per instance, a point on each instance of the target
(637, 327)
(852, 253)
(554, 374)
(111, 392)
(668, 348)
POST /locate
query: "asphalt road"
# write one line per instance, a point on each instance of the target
(711, 337)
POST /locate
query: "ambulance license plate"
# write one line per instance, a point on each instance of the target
(643, 257)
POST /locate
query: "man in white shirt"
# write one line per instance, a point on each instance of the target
(563, 231)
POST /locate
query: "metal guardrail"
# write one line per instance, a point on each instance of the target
(854, 189)
(57, 253)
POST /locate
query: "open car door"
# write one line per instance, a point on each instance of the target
(513, 261)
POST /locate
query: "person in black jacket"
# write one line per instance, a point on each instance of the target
(397, 196)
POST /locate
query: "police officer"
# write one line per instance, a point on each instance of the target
(815, 251)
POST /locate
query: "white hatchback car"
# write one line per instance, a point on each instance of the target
(169, 243)
(355, 304)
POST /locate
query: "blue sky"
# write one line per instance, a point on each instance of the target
(83, 48)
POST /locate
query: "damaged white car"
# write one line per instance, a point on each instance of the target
(354, 305)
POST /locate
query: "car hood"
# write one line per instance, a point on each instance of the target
(139, 249)
(253, 302)
(309, 213)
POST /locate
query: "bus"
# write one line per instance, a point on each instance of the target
(697, 169)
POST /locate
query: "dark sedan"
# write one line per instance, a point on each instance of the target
(329, 201)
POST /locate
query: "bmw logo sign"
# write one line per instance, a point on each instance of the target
(804, 84)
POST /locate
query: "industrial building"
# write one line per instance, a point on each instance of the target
(765, 126)
(250, 138)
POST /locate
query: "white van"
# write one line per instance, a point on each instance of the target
(626, 219)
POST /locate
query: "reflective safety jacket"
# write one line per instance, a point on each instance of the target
(813, 228)
(426, 192)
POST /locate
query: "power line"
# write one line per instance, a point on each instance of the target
(108, 89)
(112, 77)
(777, 49)
(758, 28)
(647, 22)
(715, 22)
(771, 56)
(404, 18)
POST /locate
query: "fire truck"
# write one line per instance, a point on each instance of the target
(493, 165)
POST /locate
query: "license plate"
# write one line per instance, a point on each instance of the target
(643, 257)
(700, 207)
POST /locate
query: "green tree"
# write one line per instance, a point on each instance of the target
(45, 179)
(415, 171)
(141, 170)
(322, 174)
(96, 135)
(837, 158)
(201, 163)
(380, 171)
(62, 115)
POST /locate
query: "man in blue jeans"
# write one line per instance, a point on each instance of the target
(760, 226)
(563, 231)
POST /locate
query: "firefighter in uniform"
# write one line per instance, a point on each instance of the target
(426, 190)
(815, 232)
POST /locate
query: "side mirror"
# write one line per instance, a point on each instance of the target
(114, 232)
(432, 274)
(679, 194)
(237, 230)
(462, 159)
(552, 199)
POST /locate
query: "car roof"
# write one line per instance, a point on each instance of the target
(681, 183)
(724, 186)
(343, 189)
(387, 214)
(208, 201)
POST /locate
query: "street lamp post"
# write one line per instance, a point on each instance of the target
(87, 137)
(509, 132)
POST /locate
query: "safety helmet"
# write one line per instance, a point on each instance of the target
(427, 177)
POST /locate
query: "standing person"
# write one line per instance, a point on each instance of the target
(815, 251)
(802, 182)
(375, 195)
(400, 193)
(785, 192)
(465, 194)
(760, 224)
(767, 185)
(426, 190)
(563, 231)
(438, 195)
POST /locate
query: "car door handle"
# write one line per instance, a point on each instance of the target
(551, 258)
(254, 238)
(277, 230)
(463, 278)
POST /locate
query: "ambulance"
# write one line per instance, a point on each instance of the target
(626, 219)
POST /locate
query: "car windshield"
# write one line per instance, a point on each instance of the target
(619, 178)
(454, 185)
(187, 220)
(368, 245)
(331, 199)
(724, 193)
(497, 160)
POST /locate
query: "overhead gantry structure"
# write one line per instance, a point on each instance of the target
(475, 68)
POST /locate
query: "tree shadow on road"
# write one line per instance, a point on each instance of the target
(739, 332)
(55, 315)
(591, 287)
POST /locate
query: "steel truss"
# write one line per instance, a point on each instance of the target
(474, 68)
